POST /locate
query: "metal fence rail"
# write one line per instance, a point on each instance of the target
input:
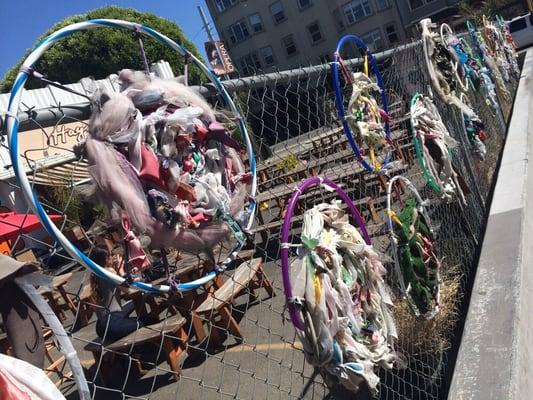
(296, 134)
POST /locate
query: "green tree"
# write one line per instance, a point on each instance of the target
(103, 51)
(474, 10)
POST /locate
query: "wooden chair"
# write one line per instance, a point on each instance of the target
(216, 309)
(169, 333)
(85, 309)
(58, 298)
(25, 255)
(55, 360)
(76, 235)
(5, 345)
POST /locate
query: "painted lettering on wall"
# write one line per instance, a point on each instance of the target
(38, 144)
(66, 133)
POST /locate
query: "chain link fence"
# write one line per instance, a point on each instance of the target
(232, 339)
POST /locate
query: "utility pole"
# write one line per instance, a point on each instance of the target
(209, 33)
(206, 25)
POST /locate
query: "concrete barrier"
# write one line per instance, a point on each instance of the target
(495, 359)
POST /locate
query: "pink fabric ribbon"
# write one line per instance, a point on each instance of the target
(384, 115)
(136, 256)
(9, 390)
(218, 132)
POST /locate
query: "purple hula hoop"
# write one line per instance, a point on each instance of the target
(301, 188)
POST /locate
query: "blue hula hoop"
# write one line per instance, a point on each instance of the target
(33, 201)
(361, 45)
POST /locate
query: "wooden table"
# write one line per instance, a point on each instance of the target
(189, 268)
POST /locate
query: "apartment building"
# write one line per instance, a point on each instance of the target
(412, 11)
(280, 34)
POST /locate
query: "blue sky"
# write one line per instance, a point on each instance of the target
(23, 21)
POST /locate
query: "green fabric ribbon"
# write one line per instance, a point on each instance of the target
(420, 276)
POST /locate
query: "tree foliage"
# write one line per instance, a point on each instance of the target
(474, 10)
(103, 51)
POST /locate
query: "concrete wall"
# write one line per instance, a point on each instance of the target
(495, 360)
(296, 24)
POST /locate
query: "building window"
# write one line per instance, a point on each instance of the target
(314, 31)
(373, 40)
(223, 5)
(250, 63)
(390, 30)
(290, 46)
(518, 25)
(414, 4)
(304, 3)
(382, 4)
(356, 10)
(238, 32)
(256, 22)
(277, 11)
(268, 55)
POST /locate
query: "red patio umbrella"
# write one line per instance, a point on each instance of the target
(13, 224)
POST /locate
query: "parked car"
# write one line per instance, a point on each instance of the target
(521, 29)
